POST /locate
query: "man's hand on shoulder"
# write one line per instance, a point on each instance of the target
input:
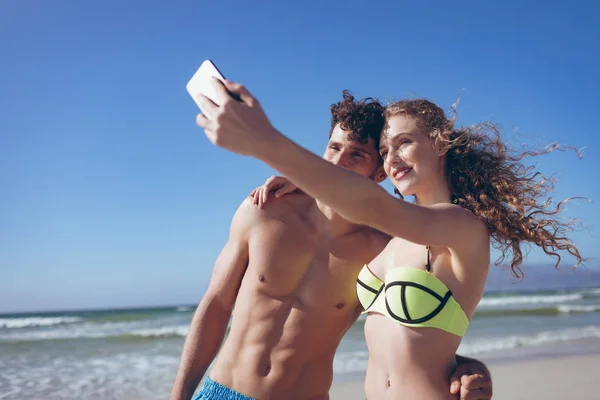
(275, 185)
(471, 379)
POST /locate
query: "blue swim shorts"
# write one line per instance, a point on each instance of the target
(212, 390)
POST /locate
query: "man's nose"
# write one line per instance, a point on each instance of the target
(341, 159)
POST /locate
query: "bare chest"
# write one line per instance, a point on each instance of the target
(312, 271)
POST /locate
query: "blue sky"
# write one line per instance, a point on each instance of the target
(110, 196)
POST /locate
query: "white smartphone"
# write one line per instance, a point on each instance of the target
(201, 82)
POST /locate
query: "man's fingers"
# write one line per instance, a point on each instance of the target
(284, 189)
(260, 198)
(475, 387)
(473, 381)
(241, 91)
(270, 183)
(454, 385)
(476, 381)
(455, 379)
(481, 394)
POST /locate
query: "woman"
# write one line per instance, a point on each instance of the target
(422, 290)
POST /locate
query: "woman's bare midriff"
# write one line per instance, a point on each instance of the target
(408, 363)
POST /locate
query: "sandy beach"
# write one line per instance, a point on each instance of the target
(569, 377)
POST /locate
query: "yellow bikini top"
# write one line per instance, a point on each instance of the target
(412, 297)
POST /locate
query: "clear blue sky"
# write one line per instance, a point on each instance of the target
(111, 196)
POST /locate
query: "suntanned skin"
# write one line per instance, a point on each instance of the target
(404, 362)
(296, 301)
(288, 275)
(460, 259)
(295, 263)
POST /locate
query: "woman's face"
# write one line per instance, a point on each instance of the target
(410, 159)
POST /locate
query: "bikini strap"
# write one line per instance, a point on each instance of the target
(428, 266)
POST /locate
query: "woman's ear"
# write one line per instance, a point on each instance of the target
(440, 145)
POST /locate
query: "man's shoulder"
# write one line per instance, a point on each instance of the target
(287, 205)
(377, 240)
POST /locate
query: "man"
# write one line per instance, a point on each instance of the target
(290, 271)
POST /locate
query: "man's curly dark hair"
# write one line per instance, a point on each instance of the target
(363, 119)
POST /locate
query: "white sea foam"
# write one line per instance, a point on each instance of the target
(180, 330)
(529, 299)
(567, 309)
(75, 376)
(356, 361)
(89, 330)
(483, 345)
(353, 361)
(29, 322)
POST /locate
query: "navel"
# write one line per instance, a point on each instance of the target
(339, 306)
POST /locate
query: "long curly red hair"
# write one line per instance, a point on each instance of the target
(486, 178)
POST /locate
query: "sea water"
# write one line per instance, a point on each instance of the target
(134, 353)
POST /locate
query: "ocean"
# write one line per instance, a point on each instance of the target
(134, 353)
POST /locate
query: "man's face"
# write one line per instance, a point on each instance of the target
(360, 158)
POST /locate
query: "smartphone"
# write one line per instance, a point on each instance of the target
(201, 82)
